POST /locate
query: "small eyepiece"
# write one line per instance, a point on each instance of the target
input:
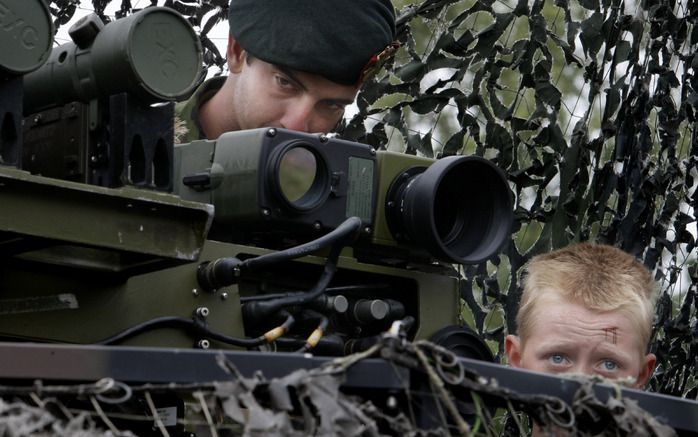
(299, 177)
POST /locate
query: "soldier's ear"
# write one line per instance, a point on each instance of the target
(236, 55)
(512, 347)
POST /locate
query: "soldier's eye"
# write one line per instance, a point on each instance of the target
(283, 81)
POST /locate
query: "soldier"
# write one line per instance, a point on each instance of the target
(586, 309)
(293, 64)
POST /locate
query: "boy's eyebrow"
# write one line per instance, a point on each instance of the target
(558, 344)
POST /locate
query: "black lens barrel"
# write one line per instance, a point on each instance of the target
(459, 209)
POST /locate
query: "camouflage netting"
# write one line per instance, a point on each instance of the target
(590, 108)
(309, 402)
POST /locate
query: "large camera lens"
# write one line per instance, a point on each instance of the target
(459, 209)
(299, 177)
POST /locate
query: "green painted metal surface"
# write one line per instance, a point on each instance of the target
(114, 230)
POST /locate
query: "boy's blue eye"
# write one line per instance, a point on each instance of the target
(557, 359)
(610, 365)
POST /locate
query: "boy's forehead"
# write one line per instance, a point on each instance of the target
(573, 322)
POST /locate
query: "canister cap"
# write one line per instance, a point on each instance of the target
(26, 35)
(165, 53)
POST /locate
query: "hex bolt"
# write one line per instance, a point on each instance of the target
(203, 344)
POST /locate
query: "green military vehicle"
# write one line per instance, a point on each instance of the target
(126, 256)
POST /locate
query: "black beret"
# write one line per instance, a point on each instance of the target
(332, 38)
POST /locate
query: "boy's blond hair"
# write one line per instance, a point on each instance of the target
(597, 276)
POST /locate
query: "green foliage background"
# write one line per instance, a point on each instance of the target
(590, 108)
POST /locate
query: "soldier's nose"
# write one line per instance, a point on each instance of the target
(297, 118)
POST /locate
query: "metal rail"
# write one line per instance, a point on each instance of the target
(79, 363)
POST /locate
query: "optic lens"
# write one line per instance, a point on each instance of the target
(458, 209)
(449, 213)
(297, 172)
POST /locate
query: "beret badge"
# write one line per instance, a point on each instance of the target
(376, 62)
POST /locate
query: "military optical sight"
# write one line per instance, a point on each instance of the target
(26, 34)
(153, 55)
(279, 182)
(90, 112)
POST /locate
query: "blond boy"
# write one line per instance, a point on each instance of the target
(585, 309)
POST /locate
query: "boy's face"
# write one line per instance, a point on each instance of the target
(566, 337)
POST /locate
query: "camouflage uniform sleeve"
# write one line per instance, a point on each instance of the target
(186, 129)
(186, 124)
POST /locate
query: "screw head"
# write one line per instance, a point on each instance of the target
(266, 212)
(203, 344)
(195, 292)
(317, 226)
(202, 312)
(271, 132)
(224, 296)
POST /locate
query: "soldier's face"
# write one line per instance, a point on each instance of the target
(568, 338)
(269, 95)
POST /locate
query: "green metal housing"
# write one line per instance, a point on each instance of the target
(82, 263)
(154, 55)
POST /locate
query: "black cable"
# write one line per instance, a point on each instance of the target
(247, 299)
(262, 309)
(328, 291)
(157, 323)
(224, 271)
(347, 230)
(197, 328)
